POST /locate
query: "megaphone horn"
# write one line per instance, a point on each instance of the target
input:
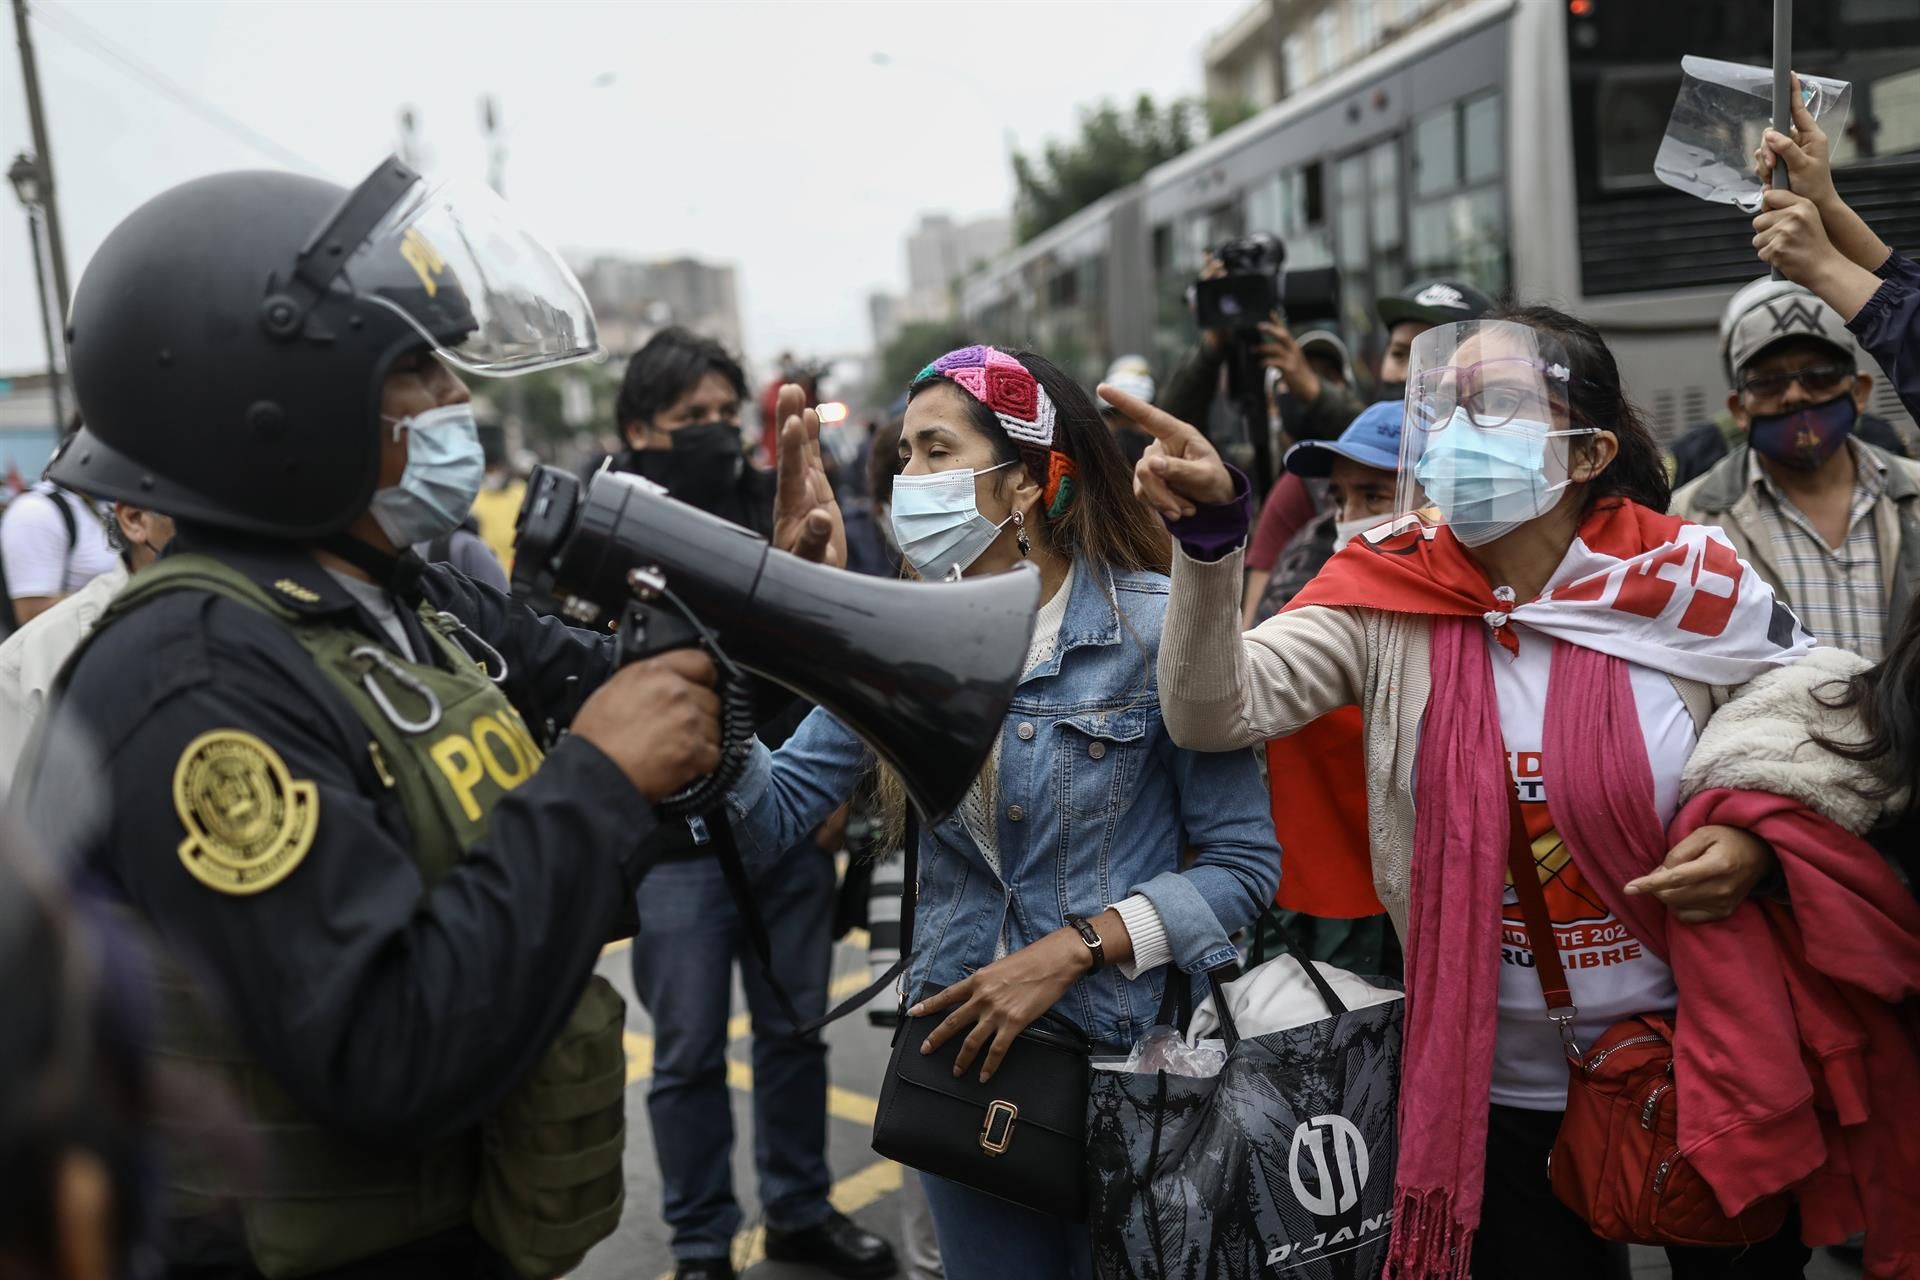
(922, 673)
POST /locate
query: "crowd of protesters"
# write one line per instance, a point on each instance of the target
(1477, 604)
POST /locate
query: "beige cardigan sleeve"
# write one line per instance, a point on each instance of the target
(1220, 689)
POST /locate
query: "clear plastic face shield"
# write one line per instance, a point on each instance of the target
(1486, 442)
(1719, 119)
(456, 263)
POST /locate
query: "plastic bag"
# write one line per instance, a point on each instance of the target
(1165, 1049)
(1718, 121)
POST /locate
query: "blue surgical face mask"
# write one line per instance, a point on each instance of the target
(1488, 482)
(937, 522)
(445, 468)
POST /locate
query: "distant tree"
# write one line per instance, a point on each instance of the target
(1224, 113)
(909, 352)
(1114, 148)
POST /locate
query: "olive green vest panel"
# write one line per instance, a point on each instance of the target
(542, 1180)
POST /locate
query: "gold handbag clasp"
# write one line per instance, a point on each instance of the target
(1000, 1117)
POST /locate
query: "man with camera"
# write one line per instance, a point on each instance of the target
(341, 801)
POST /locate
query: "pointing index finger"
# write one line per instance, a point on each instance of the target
(1157, 423)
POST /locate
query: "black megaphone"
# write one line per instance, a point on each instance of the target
(922, 672)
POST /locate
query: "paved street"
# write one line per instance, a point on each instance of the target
(865, 1184)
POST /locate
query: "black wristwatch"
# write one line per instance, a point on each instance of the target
(1090, 936)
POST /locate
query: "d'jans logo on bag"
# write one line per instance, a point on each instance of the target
(1339, 1186)
(1341, 1165)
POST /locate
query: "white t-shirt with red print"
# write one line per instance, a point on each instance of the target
(1611, 974)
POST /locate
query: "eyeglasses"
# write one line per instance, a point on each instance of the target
(1820, 380)
(1492, 392)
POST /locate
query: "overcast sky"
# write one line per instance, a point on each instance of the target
(761, 134)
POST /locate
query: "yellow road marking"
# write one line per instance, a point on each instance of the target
(849, 1195)
(842, 1104)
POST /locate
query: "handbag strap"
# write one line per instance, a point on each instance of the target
(1561, 1010)
(1291, 946)
(909, 893)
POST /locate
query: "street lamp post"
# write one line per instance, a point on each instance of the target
(42, 158)
(24, 174)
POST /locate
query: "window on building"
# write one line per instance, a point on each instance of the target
(1326, 41)
(1294, 54)
(1366, 25)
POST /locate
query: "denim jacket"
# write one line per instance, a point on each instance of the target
(1094, 803)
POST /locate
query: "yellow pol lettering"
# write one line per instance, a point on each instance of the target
(486, 732)
(500, 750)
(461, 765)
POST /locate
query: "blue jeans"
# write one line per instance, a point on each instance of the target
(983, 1237)
(689, 937)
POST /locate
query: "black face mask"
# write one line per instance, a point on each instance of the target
(700, 468)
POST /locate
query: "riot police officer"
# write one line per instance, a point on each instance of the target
(343, 803)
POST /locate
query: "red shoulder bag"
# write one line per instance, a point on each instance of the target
(1617, 1161)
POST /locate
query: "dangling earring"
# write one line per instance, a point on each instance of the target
(1020, 535)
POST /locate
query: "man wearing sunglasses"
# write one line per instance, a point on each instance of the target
(1831, 521)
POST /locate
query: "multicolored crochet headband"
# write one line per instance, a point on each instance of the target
(1016, 398)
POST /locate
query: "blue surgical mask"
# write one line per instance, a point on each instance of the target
(445, 468)
(1488, 482)
(937, 522)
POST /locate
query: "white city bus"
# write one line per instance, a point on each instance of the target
(1510, 143)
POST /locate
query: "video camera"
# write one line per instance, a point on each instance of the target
(922, 673)
(1254, 288)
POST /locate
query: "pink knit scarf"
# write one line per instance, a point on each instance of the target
(1597, 773)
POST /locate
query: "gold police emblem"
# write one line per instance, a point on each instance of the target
(248, 822)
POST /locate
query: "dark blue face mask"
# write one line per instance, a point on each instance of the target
(1806, 437)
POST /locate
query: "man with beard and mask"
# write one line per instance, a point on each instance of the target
(1831, 522)
(679, 410)
(378, 897)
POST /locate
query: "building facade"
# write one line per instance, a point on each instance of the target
(941, 252)
(632, 300)
(1280, 47)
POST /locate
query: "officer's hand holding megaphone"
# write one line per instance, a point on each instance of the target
(806, 519)
(658, 720)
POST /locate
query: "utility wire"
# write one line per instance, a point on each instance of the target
(71, 28)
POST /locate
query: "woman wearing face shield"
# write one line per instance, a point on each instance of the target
(1058, 888)
(1535, 627)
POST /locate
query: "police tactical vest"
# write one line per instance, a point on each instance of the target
(542, 1179)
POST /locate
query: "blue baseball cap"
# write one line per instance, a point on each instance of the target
(1372, 440)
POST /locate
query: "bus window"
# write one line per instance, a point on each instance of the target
(1458, 217)
(1480, 140)
(1436, 150)
(1288, 205)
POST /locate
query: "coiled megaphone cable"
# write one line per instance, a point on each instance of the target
(705, 795)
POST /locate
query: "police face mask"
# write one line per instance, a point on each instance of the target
(1488, 482)
(445, 466)
(700, 465)
(937, 522)
(1804, 438)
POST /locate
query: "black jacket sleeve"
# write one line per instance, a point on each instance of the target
(393, 1010)
(1191, 387)
(551, 667)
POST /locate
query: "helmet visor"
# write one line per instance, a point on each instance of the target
(457, 264)
(1485, 436)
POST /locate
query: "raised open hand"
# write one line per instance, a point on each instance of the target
(806, 518)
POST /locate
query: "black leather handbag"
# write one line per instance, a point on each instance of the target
(1022, 1136)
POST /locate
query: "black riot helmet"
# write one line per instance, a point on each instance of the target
(228, 341)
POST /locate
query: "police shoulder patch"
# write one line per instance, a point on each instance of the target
(249, 824)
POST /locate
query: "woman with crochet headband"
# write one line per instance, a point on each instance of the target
(1074, 831)
(1538, 630)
